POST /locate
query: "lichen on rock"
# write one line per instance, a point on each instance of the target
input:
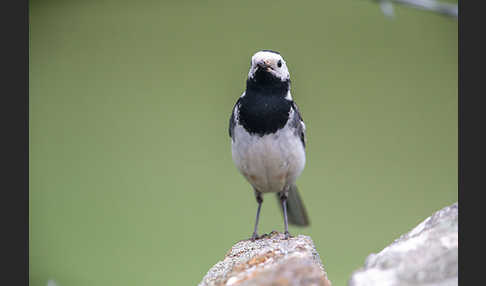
(269, 260)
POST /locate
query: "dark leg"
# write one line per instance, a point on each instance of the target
(283, 201)
(259, 200)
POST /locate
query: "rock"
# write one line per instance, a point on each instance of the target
(427, 255)
(269, 260)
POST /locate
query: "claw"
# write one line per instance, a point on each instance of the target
(254, 236)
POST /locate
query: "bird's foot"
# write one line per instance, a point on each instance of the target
(287, 235)
(254, 236)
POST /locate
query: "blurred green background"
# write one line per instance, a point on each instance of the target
(131, 176)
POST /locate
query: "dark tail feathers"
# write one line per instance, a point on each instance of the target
(296, 213)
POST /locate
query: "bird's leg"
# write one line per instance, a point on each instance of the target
(283, 200)
(259, 199)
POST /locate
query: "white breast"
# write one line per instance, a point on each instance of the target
(271, 162)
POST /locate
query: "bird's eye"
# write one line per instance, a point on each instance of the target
(279, 64)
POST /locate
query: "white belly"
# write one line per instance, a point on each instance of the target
(270, 163)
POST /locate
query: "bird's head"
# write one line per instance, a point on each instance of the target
(268, 66)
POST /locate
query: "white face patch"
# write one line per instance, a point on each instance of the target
(274, 63)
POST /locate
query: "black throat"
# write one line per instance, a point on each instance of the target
(264, 109)
(267, 84)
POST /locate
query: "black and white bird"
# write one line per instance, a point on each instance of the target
(268, 137)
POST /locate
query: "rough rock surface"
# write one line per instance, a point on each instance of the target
(427, 255)
(269, 260)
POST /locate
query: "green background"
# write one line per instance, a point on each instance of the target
(131, 176)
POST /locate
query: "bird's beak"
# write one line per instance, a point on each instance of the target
(265, 65)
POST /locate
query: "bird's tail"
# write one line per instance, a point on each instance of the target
(296, 213)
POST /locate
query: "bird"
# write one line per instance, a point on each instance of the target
(268, 138)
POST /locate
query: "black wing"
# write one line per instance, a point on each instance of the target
(299, 125)
(232, 119)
